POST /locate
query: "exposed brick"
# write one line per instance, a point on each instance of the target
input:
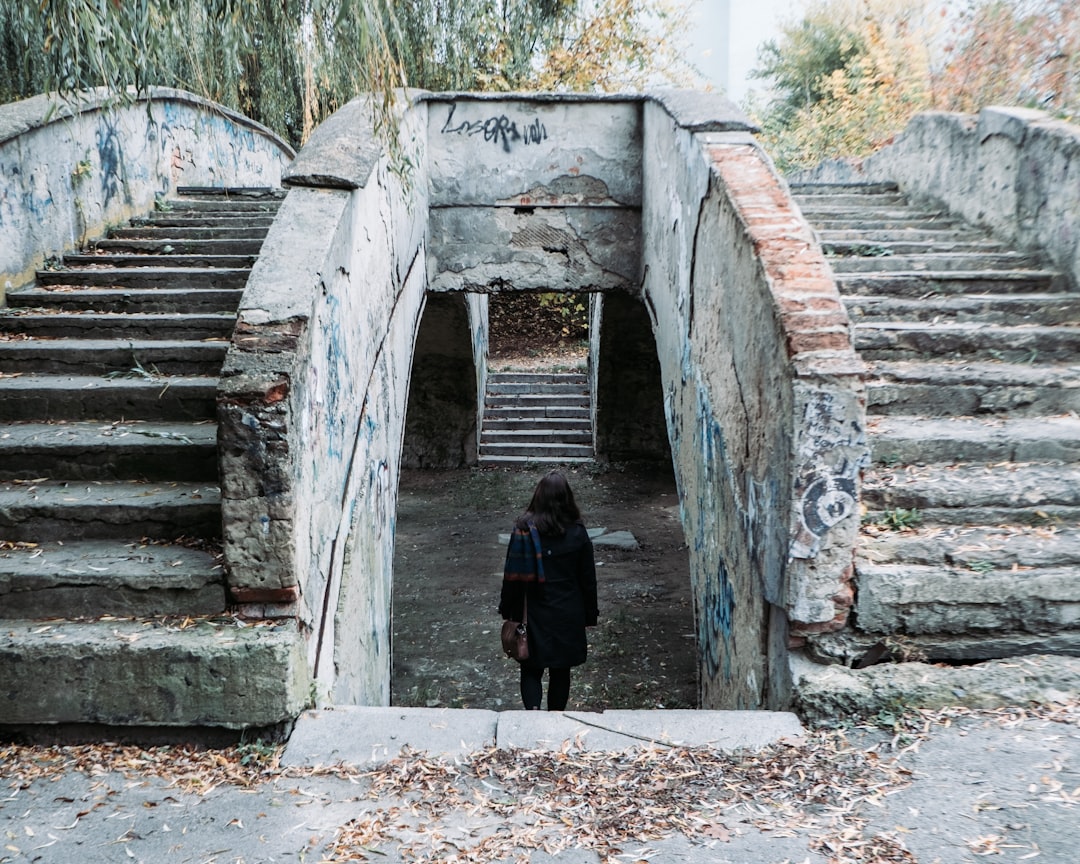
(799, 629)
(818, 340)
(808, 321)
(265, 595)
(809, 303)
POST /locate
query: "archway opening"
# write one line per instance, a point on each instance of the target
(452, 521)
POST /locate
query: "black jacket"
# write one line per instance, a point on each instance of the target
(562, 606)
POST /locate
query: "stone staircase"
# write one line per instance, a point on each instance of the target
(113, 605)
(970, 544)
(536, 417)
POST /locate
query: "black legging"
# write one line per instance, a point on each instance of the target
(532, 688)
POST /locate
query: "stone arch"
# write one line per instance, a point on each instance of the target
(441, 419)
(665, 199)
(628, 401)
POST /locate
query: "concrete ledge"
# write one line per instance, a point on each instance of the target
(369, 736)
(365, 736)
(621, 730)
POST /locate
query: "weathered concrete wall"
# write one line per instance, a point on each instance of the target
(313, 398)
(1013, 170)
(539, 193)
(441, 424)
(763, 400)
(627, 392)
(92, 165)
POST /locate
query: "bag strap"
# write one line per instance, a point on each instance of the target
(525, 610)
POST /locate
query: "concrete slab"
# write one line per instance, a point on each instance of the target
(618, 539)
(367, 736)
(621, 730)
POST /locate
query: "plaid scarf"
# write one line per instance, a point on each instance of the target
(524, 556)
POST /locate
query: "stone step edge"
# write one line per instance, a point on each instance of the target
(219, 673)
(84, 579)
(864, 649)
(825, 692)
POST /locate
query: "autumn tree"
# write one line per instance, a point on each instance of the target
(849, 75)
(1020, 52)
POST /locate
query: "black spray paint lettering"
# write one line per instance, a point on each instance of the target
(501, 130)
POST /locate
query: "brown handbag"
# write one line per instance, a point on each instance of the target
(515, 639)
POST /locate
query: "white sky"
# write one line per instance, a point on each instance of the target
(751, 23)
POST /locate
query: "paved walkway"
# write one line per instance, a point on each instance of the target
(442, 785)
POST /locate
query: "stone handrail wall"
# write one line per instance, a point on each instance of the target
(1012, 170)
(312, 401)
(763, 394)
(70, 170)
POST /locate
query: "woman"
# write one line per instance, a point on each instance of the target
(561, 593)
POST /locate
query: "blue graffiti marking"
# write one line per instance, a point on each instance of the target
(717, 622)
(111, 158)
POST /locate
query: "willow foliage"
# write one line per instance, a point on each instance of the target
(290, 63)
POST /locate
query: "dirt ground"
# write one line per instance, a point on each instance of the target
(448, 572)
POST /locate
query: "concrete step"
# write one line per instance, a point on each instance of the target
(910, 440)
(909, 598)
(118, 357)
(968, 388)
(825, 189)
(929, 283)
(998, 547)
(131, 325)
(1011, 493)
(180, 246)
(370, 736)
(202, 672)
(1047, 309)
(489, 436)
(852, 199)
(885, 237)
(901, 340)
(222, 205)
(898, 246)
(511, 421)
(272, 193)
(850, 647)
(90, 578)
(537, 452)
(147, 277)
(521, 405)
(532, 459)
(935, 262)
(172, 258)
(224, 233)
(80, 397)
(577, 386)
(877, 222)
(110, 451)
(119, 300)
(208, 220)
(125, 510)
(576, 378)
(824, 209)
(535, 410)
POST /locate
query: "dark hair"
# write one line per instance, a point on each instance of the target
(552, 507)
